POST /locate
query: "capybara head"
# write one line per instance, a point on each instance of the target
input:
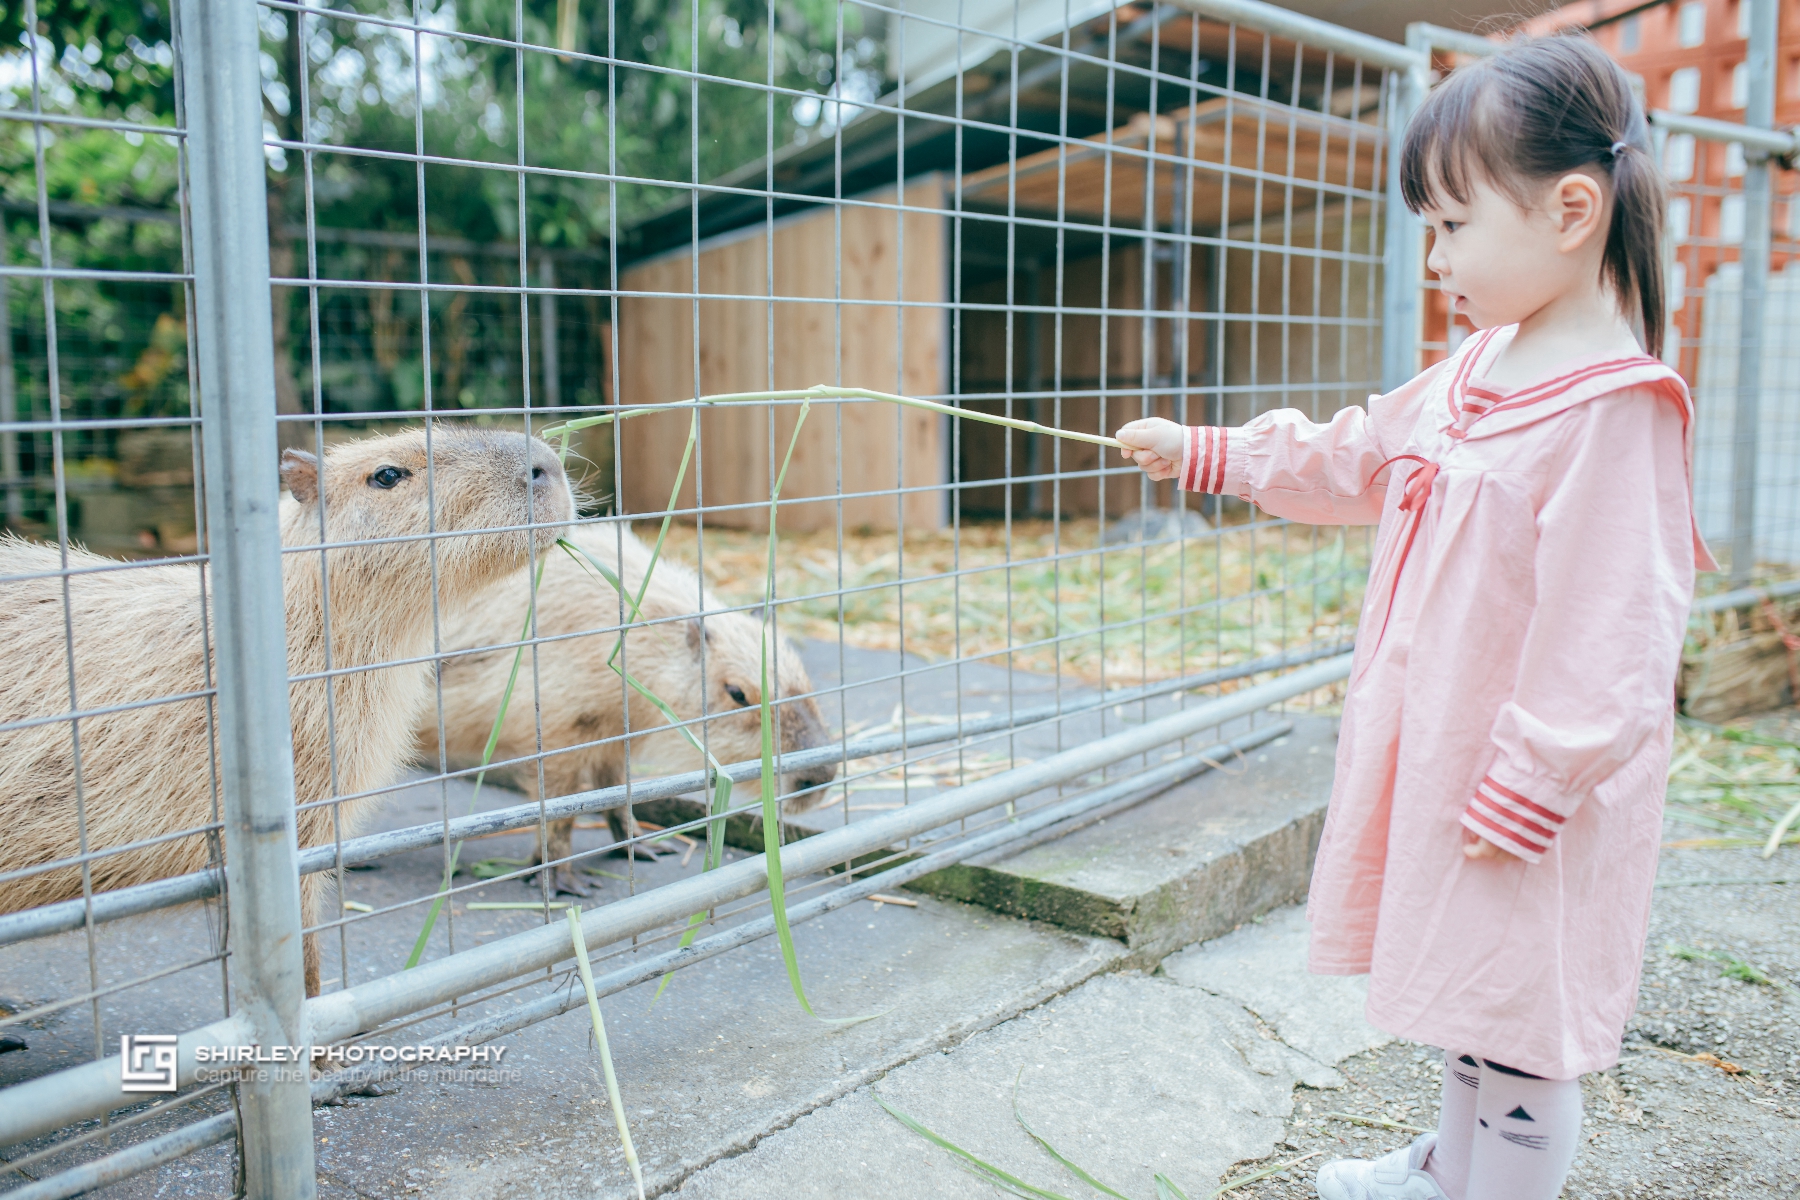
(482, 487)
(731, 645)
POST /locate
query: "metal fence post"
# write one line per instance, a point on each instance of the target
(1403, 242)
(1753, 257)
(234, 346)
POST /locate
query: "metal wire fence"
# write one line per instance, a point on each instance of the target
(1733, 229)
(476, 224)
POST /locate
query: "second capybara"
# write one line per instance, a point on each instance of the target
(581, 701)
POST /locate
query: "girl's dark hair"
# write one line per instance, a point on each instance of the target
(1535, 111)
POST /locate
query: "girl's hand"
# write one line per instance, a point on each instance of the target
(1154, 445)
(1476, 848)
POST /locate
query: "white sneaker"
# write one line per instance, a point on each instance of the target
(1397, 1176)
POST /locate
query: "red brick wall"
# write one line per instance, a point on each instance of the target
(1656, 57)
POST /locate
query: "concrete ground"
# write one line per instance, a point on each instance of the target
(1209, 1065)
(1705, 1101)
(1181, 1072)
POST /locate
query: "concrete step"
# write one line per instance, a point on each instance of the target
(1186, 866)
(1195, 862)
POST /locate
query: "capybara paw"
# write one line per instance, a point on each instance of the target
(564, 881)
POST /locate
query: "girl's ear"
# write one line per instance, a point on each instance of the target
(1577, 205)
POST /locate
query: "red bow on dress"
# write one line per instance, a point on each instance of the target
(1413, 500)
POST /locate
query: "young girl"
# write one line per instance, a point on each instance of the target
(1493, 834)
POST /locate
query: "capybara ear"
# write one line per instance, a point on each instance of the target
(300, 475)
(696, 634)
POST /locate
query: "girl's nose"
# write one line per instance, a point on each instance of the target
(1435, 261)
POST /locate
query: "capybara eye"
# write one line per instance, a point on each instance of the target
(737, 694)
(387, 477)
(537, 472)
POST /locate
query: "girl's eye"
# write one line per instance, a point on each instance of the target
(737, 695)
(387, 477)
(1452, 226)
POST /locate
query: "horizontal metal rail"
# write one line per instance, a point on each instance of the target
(1009, 838)
(69, 915)
(1778, 142)
(1745, 597)
(40, 1106)
(1436, 37)
(1310, 31)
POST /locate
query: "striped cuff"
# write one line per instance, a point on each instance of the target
(1206, 453)
(1511, 821)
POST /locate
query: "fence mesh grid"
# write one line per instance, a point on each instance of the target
(488, 219)
(1707, 225)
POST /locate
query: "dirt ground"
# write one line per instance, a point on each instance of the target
(1705, 1101)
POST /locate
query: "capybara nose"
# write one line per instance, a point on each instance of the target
(542, 468)
(814, 777)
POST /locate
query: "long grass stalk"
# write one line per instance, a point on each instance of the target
(1053, 1152)
(721, 792)
(487, 756)
(823, 392)
(771, 806)
(722, 787)
(606, 1062)
(985, 1169)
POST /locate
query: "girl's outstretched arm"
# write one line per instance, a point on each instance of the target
(1323, 474)
(1613, 572)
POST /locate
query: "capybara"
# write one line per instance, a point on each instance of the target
(139, 635)
(582, 699)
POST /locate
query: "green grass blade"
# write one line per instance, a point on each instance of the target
(1166, 1189)
(1053, 1152)
(606, 1062)
(487, 756)
(995, 1175)
(715, 841)
(1242, 1180)
(771, 807)
(687, 453)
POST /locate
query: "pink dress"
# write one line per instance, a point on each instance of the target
(1514, 676)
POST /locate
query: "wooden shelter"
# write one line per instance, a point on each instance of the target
(1229, 245)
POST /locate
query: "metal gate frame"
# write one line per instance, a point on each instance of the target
(1762, 143)
(220, 86)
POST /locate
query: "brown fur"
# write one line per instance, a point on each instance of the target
(138, 635)
(582, 699)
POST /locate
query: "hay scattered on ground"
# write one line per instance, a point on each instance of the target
(1731, 786)
(1046, 599)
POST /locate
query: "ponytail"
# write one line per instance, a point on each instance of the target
(1533, 112)
(1633, 262)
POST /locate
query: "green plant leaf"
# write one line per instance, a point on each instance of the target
(487, 756)
(993, 1174)
(771, 805)
(606, 1062)
(1053, 1152)
(494, 868)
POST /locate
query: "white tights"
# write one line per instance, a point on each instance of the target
(1503, 1135)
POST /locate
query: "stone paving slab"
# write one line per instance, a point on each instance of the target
(1129, 1076)
(1262, 966)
